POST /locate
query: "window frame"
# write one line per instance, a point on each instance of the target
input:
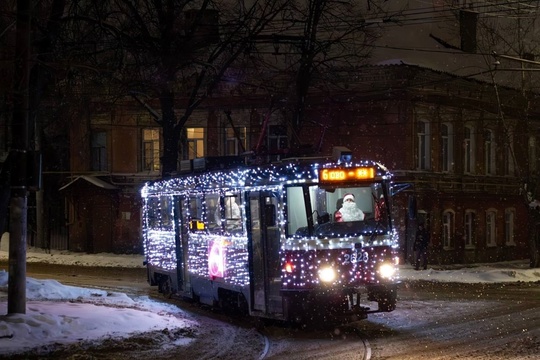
(151, 150)
(102, 162)
(277, 139)
(196, 146)
(230, 141)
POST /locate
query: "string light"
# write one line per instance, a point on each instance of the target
(223, 254)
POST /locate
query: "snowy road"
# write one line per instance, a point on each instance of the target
(459, 321)
(432, 321)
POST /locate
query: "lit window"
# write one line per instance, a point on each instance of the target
(424, 145)
(195, 142)
(151, 150)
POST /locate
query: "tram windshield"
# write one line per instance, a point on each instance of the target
(346, 211)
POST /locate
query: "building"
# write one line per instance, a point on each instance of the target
(455, 163)
(438, 101)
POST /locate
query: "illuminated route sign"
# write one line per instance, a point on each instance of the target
(346, 174)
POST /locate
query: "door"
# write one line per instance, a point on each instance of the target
(265, 239)
(181, 219)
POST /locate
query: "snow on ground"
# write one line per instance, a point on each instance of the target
(56, 313)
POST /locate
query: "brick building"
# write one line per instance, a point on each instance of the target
(456, 165)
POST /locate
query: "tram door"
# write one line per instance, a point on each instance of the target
(265, 235)
(181, 215)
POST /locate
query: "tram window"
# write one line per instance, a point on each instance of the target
(363, 197)
(195, 208)
(160, 212)
(296, 211)
(212, 216)
(226, 214)
(318, 204)
(166, 212)
(233, 214)
(153, 212)
(185, 212)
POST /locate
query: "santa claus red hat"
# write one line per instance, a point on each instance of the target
(348, 196)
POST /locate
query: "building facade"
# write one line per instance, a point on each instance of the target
(457, 166)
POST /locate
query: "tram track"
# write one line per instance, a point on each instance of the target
(338, 343)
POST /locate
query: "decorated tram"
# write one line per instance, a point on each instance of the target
(299, 240)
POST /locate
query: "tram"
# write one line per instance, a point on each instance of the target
(275, 240)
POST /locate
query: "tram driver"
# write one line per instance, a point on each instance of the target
(349, 211)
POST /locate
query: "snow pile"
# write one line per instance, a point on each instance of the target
(59, 314)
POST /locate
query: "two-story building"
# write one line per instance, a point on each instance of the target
(457, 126)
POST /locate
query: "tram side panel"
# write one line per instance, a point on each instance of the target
(160, 243)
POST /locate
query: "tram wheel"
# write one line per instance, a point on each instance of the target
(165, 287)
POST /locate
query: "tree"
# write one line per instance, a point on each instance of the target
(316, 40)
(160, 48)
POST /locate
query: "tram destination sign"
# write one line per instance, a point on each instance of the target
(335, 175)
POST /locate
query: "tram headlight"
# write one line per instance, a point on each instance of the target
(386, 270)
(327, 274)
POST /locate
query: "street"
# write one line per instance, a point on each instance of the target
(432, 321)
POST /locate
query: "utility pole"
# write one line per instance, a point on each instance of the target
(19, 151)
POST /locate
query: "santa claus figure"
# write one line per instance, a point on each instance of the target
(349, 211)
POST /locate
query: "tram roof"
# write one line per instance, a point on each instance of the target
(233, 172)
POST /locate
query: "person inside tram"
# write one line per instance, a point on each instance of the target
(349, 211)
(233, 215)
(380, 208)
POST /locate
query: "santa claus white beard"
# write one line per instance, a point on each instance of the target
(349, 212)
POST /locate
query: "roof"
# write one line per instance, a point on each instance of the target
(92, 180)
